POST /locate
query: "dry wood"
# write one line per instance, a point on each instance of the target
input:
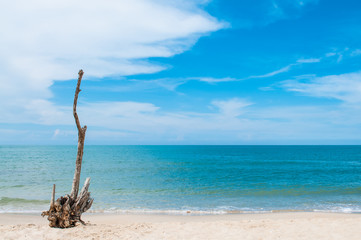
(52, 197)
(81, 138)
(66, 211)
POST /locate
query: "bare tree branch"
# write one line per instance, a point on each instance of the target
(77, 91)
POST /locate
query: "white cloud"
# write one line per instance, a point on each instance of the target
(172, 84)
(168, 83)
(330, 54)
(45, 41)
(231, 108)
(282, 9)
(287, 68)
(344, 87)
(356, 52)
(309, 60)
(56, 133)
(279, 71)
(228, 121)
(214, 80)
(340, 54)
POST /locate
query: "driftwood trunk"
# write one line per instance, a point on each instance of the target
(81, 138)
(66, 211)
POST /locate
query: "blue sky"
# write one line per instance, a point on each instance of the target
(182, 72)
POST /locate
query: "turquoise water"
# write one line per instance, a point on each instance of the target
(177, 179)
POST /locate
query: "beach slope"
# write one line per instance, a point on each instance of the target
(296, 225)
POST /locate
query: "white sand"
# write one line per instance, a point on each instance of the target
(238, 226)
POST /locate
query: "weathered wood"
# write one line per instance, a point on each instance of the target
(52, 197)
(81, 138)
(66, 211)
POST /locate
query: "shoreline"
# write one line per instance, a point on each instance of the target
(280, 225)
(190, 212)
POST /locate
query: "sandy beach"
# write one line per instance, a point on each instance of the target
(290, 225)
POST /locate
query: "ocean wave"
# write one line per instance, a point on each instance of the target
(219, 211)
(20, 201)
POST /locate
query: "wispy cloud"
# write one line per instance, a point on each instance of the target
(56, 133)
(341, 54)
(213, 80)
(271, 74)
(287, 68)
(231, 108)
(47, 41)
(344, 87)
(330, 54)
(228, 121)
(309, 60)
(265, 12)
(282, 9)
(172, 84)
(356, 52)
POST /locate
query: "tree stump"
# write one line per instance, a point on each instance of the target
(66, 211)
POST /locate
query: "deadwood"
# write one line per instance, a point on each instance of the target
(66, 211)
(81, 138)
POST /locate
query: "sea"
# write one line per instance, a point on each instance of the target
(186, 179)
